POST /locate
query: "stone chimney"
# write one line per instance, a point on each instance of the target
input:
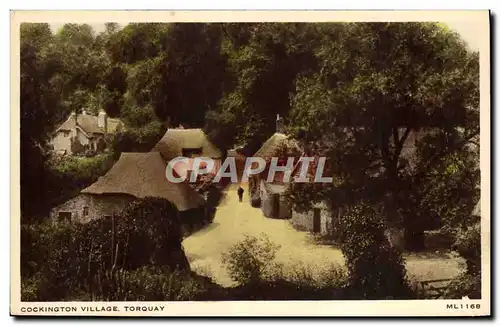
(102, 121)
(74, 117)
(279, 124)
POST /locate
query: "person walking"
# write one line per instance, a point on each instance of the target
(240, 193)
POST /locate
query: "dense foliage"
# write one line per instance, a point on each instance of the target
(376, 269)
(250, 260)
(468, 283)
(378, 88)
(60, 261)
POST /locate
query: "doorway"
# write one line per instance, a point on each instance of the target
(316, 220)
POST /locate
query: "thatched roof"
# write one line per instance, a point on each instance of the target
(275, 188)
(175, 140)
(143, 175)
(88, 123)
(271, 146)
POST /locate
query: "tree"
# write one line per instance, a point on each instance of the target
(38, 101)
(84, 64)
(377, 84)
(264, 60)
(376, 269)
(59, 73)
(175, 69)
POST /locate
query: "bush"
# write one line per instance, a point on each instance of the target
(49, 264)
(251, 260)
(465, 285)
(70, 174)
(61, 261)
(468, 245)
(376, 269)
(304, 276)
(147, 283)
(137, 139)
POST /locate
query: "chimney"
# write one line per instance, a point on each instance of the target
(73, 116)
(279, 124)
(102, 121)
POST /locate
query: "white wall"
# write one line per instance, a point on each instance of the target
(62, 141)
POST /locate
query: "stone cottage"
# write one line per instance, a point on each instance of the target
(134, 175)
(83, 132)
(273, 202)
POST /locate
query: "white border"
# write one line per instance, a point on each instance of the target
(321, 308)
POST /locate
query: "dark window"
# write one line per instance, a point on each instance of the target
(65, 216)
(85, 211)
(191, 152)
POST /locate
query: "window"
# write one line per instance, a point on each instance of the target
(65, 217)
(191, 152)
(85, 211)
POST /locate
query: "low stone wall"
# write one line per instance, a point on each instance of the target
(302, 220)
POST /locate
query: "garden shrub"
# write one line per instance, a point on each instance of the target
(49, 262)
(251, 263)
(68, 175)
(147, 283)
(305, 275)
(376, 269)
(251, 260)
(465, 285)
(468, 245)
(60, 261)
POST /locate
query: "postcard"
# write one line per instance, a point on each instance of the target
(250, 163)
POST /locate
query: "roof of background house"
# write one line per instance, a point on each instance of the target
(174, 140)
(143, 175)
(234, 152)
(273, 144)
(88, 123)
(275, 188)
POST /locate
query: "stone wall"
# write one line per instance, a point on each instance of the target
(87, 207)
(274, 205)
(62, 142)
(285, 208)
(269, 205)
(304, 220)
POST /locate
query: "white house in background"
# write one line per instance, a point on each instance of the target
(84, 133)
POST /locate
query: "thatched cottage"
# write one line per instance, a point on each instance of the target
(190, 143)
(134, 175)
(271, 195)
(84, 133)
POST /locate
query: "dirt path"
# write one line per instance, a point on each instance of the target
(234, 219)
